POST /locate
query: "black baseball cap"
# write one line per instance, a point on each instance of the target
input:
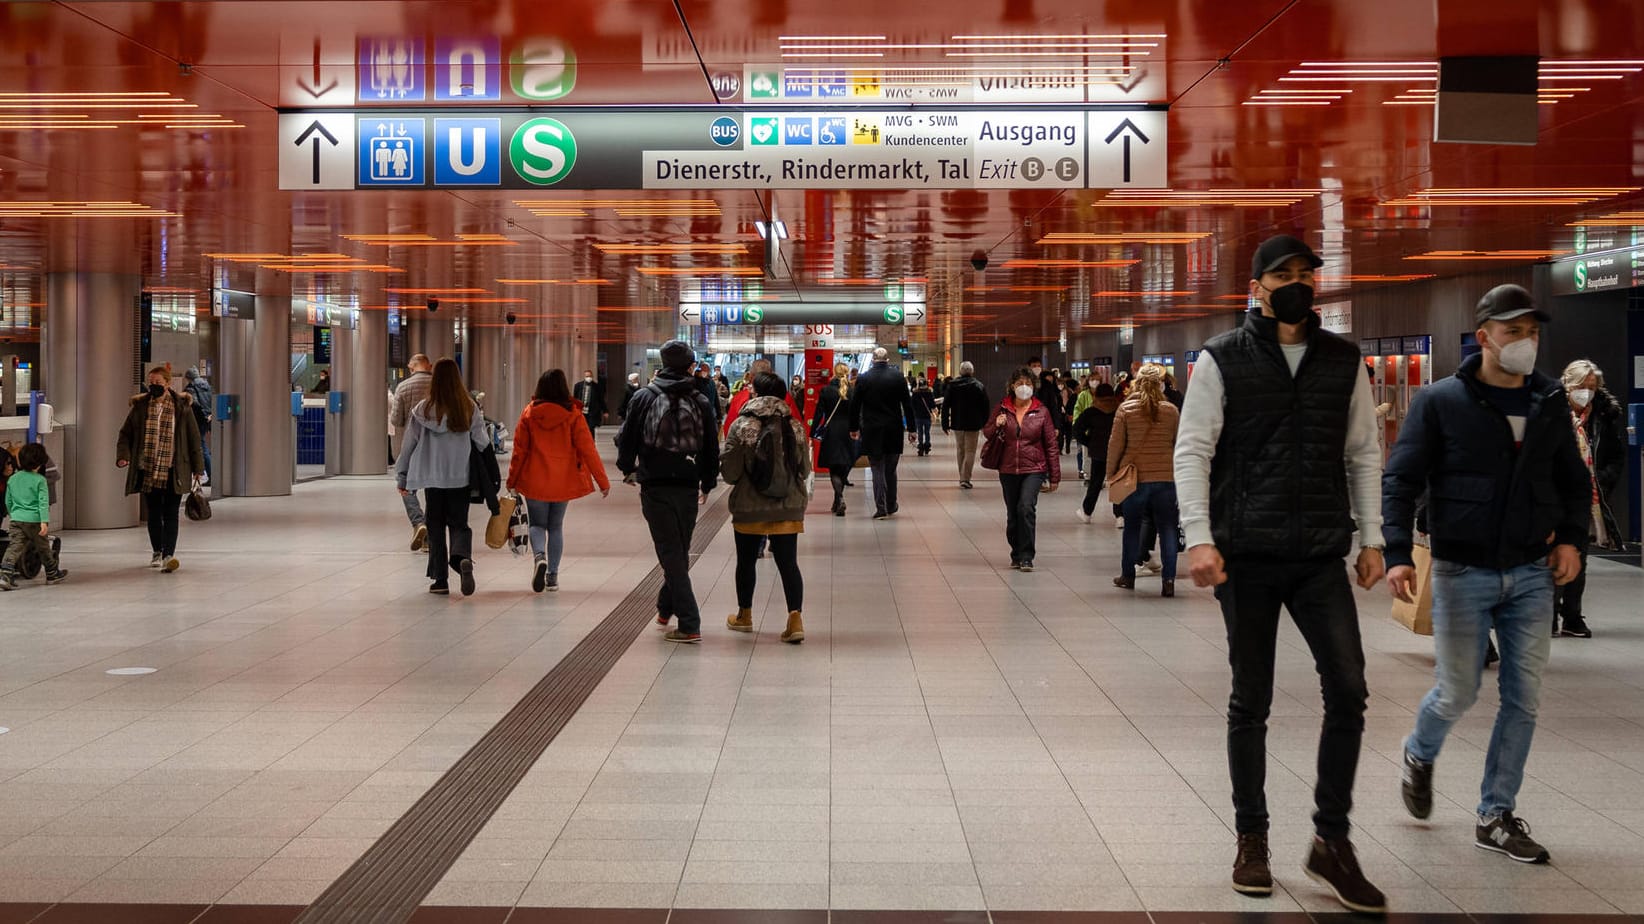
(1276, 250)
(1506, 302)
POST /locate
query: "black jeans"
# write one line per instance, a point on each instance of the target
(445, 513)
(162, 520)
(1320, 600)
(1093, 487)
(884, 482)
(1022, 513)
(785, 549)
(670, 512)
(1567, 599)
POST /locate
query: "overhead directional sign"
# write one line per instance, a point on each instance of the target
(719, 147)
(800, 314)
(317, 151)
(1600, 271)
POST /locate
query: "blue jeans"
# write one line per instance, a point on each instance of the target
(413, 509)
(547, 525)
(1467, 601)
(1157, 500)
(922, 426)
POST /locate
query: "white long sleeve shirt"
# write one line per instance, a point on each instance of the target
(1201, 428)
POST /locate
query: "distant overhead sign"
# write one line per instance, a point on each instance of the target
(714, 147)
(803, 313)
(1602, 271)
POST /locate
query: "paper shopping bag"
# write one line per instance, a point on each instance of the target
(1418, 616)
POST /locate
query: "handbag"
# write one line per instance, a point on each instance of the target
(1418, 616)
(993, 452)
(1121, 484)
(197, 506)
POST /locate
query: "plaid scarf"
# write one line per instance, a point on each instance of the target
(159, 443)
(1585, 447)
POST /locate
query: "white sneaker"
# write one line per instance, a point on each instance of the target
(1083, 517)
(1152, 565)
(157, 560)
(1118, 522)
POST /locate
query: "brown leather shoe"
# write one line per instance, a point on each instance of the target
(740, 621)
(1168, 590)
(1251, 875)
(1334, 864)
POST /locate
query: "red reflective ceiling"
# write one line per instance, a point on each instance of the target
(1341, 156)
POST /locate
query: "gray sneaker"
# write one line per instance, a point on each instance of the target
(1511, 836)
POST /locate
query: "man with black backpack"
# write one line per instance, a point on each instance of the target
(669, 443)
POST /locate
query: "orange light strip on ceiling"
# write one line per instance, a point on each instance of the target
(554, 282)
(1487, 255)
(426, 240)
(332, 268)
(82, 210)
(1067, 264)
(1427, 198)
(1159, 293)
(438, 291)
(1155, 237)
(1237, 198)
(1325, 280)
(671, 248)
(1612, 220)
(701, 271)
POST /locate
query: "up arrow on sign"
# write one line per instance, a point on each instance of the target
(303, 139)
(1122, 127)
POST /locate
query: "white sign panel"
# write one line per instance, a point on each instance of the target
(922, 148)
(316, 71)
(316, 150)
(1337, 317)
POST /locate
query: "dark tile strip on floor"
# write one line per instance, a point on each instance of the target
(387, 883)
(38, 913)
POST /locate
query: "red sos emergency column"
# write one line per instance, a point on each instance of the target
(818, 363)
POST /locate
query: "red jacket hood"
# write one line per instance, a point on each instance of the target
(548, 415)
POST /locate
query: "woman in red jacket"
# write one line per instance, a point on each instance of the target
(554, 462)
(1029, 462)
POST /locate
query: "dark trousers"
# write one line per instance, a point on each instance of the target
(1320, 600)
(593, 422)
(1022, 513)
(445, 513)
(836, 477)
(884, 482)
(922, 427)
(20, 538)
(1567, 599)
(670, 512)
(785, 549)
(162, 520)
(1149, 510)
(1093, 487)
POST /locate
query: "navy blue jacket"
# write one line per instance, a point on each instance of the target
(1488, 505)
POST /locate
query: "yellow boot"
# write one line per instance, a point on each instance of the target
(741, 621)
(795, 632)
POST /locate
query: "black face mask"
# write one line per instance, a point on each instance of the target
(1292, 303)
(155, 391)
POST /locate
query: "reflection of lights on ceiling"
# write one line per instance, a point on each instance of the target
(554, 282)
(1188, 198)
(82, 210)
(634, 308)
(1138, 237)
(700, 271)
(1440, 255)
(407, 291)
(673, 248)
(1324, 280)
(86, 111)
(428, 240)
(1576, 195)
(1067, 264)
(1145, 293)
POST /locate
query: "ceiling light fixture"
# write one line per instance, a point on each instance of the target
(1067, 264)
(1141, 237)
(1503, 255)
(82, 210)
(621, 248)
(700, 271)
(1519, 196)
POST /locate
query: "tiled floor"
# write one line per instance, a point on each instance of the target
(952, 735)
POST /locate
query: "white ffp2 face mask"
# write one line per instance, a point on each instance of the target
(1582, 397)
(1519, 357)
(1024, 392)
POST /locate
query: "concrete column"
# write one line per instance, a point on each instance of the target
(228, 450)
(484, 368)
(92, 368)
(526, 354)
(269, 448)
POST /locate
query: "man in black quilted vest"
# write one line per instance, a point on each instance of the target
(1276, 465)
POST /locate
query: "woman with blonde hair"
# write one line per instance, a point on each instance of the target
(1144, 437)
(1601, 435)
(831, 428)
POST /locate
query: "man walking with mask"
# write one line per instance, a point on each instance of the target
(592, 395)
(1276, 461)
(1508, 503)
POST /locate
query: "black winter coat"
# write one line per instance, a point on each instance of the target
(881, 411)
(966, 405)
(832, 427)
(1607, 436)
(1488, 505)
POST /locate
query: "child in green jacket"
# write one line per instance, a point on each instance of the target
(28, 501)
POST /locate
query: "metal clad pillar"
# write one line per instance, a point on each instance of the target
(270, 452)
(228, 453)
(364, 422)
(484, 368)
(92, 368)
